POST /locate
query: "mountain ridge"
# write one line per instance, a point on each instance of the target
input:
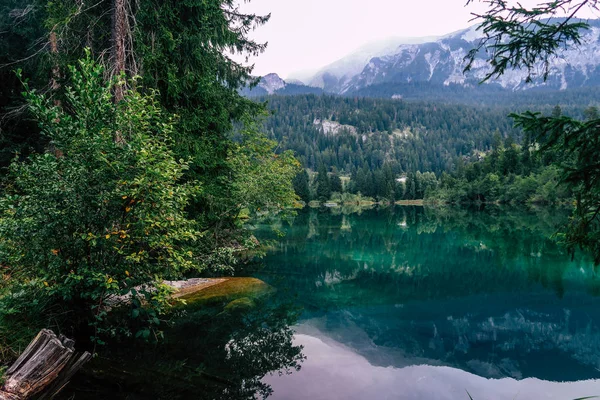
(442, 62)
(427, 70)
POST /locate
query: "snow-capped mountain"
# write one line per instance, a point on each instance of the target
(441, 62)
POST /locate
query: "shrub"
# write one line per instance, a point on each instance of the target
(100, 213)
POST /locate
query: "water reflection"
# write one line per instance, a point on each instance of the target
(398, 303)
(210, 353)
(486, 293)
(335, 372)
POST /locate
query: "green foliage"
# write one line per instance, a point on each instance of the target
(350, 198)
(19, 300)
(420, 184)
(336, 183)
(578, 145)
(508, 174)
(517, 37)
(424, 136)
(260, 179)
(85, 224)
(180, 50)
(183, 48)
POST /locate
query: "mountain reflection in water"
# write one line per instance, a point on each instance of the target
(413, 303)
(336, 372)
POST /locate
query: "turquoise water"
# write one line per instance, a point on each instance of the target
(390, 303)
(413, 303)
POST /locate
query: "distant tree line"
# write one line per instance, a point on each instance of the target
(508, 172)
(380, 185)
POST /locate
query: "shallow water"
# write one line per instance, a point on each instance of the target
(413, 303)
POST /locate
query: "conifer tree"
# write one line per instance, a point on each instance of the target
(323, 184)
(301, 186)
(336, 184)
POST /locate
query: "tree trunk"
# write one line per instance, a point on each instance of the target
(54, 82)
(46, 366)
(54, 85)
(119, 37)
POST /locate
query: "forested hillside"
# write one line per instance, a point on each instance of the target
(348, 134)
(396, 149)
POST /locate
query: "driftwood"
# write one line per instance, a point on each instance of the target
(43, 369)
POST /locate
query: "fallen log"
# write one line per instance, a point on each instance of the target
(44, 368)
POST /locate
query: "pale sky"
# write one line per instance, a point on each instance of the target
(304, 35)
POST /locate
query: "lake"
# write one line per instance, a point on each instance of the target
(388, 303)
(414, 303)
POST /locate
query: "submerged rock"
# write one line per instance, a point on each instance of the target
(234, 292)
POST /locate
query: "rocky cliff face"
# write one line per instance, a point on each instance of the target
(271, 83)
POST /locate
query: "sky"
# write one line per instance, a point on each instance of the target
(304, 35)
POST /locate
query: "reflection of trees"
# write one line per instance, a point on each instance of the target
(414, 253)
(207, 354)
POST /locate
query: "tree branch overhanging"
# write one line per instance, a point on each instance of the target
(516, 37)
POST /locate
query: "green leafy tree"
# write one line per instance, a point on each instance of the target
(183, 48)
(92, 228)
(260, 179)
(411, 192)
(508, 161)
